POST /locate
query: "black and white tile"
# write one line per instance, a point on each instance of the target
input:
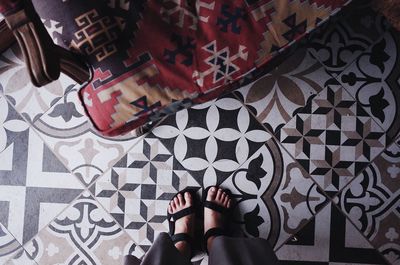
(372, 202)
(333, 138)
(34, 186)
(329, 238)
(276, 96)
(274, 196)
(347, 35)
(83, 234)
(213, 139)
(11, 123)
(373, 80)
(9, 246)
(21, 258)
(68, 132)
(137, 189)
(15, 84)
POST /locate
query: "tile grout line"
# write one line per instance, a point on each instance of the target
(369, 242)
(19, 243)
(331, 199)
(44, 227)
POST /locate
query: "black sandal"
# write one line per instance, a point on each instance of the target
(226, 212)
(172, 218)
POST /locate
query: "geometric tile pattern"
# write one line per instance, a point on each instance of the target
(372, 202)
(275, 196)
(340, 41)
(11, 123)
(275, 97)
(373, 79)
(66, 129)
(83, 234)
(34, 186)
(283, 145)
(8, 245)
(329, 239)
(137, 190)
(213, 139)
(15, 83)
(333, 138)
(21, 258)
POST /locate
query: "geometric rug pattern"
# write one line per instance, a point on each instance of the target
(310, 152)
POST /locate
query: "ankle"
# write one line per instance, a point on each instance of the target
(210, 242)
(183, 248)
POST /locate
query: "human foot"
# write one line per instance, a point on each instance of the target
(184, 224)
(213, 218)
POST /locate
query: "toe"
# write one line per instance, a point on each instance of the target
(173, 206)
(188, 198)
(225, 202)
(229, 203)
(212, 192)
(169, 209)
(219, 195)
(176, 201)
(181, 200)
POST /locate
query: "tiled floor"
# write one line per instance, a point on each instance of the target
(310, 151)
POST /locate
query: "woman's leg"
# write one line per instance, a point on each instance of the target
(233, 251)
(164, 251)
(241, 251)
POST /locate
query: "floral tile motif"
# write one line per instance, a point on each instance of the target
(274, 195)
(11, 124)
(83, 234)
(15, 83)
(137, 190)
(275, 97)
(372, 202)
(212, 139)
(21, 258)
(68, 131)
(329, 238)
(347, 35)
(373, 79)
(333, 138)
(34, 186)
(8, 245)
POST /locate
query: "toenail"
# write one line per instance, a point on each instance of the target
(212, 189)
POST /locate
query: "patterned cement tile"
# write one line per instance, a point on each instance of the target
(34, 186)
(275, 97)
(372, 202)
(274, 195)
(15, 83)
(329, 238)
(137, 190)
(333, 138)
(21, 258)
(347, 35)
(212, 139)
(11, 123)
(8, 245)
(373, 79)
(68, 132)
(83, 234)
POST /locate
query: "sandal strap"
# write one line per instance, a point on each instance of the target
(182, 213)
(215, 207)
(216, 231)
(182, 237)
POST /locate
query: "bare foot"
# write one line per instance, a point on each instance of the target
(184, 224)
(212, 218)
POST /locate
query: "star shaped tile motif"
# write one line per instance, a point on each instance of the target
(333, 138)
